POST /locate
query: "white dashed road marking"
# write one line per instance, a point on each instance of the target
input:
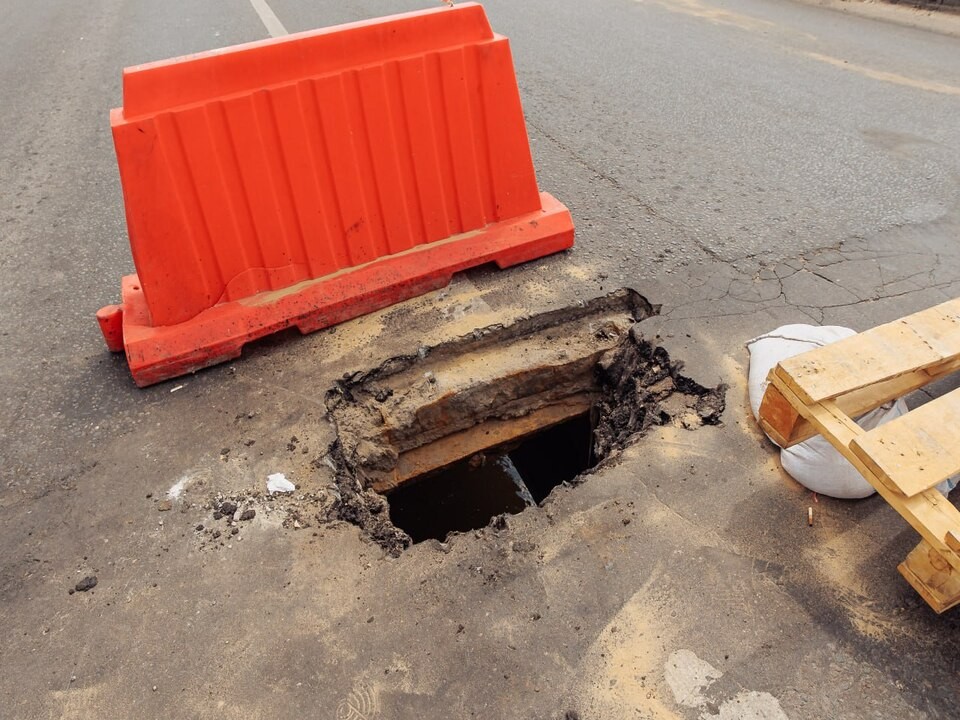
(269, 18)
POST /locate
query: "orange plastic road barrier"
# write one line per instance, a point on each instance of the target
(309, 179)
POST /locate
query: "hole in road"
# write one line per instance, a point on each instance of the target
(450, 436)
(469, 493)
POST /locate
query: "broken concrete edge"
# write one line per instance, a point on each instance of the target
(638, 386)
(637, 378)
(365, 508)
(479, 338)
(498, 372)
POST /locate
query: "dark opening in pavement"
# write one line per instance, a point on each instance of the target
(485, 424)
(468, 494)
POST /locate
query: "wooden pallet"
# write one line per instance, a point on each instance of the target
(821, 391)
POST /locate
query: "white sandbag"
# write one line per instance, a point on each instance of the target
(814, 463)
(817, 465)
(767, 350)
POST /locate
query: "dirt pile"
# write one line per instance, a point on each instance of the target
(641, 386)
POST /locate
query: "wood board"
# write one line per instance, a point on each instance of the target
(823, 390)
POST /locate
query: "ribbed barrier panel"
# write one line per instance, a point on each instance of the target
(309, 179)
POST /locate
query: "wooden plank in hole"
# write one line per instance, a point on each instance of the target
(488, 434)
(917, 451)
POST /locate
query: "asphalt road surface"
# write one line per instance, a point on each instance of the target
(745, 163)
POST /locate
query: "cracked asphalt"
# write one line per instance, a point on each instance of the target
(743, 163)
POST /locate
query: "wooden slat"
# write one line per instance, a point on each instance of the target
(932, 577)
(778, 418)
(788, 428)
(953, 541)
(929, 512)
(916, 342)
(916, 451)
(489, 434)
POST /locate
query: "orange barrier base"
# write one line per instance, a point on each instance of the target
(219, 333)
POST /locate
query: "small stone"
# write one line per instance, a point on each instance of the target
(164, 505)
(217, 515)
(88, 583)
(216, 533)
(154, 688)
(234, 530)
(248, 514)
(200, 527)
(228, 508)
